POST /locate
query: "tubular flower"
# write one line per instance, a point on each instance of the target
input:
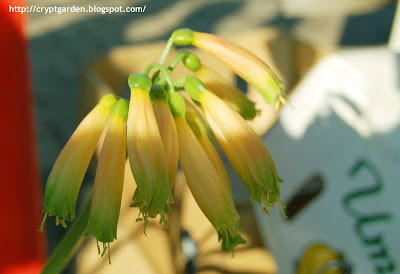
(222, 88)
(107, 192)
(244, 63)
(146, 153)
(166, 126)
(207, 185)
(201, 132)
(244, 148)
(67, 174)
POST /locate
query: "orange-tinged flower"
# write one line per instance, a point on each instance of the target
(146, 152)
(169, 137)
(208, 188)
(107, 192)
(227, 92)
(241, 61)
(201, 132)
(221, 87)
(245, 150)
(66, 176)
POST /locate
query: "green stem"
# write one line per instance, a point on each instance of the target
(179, 88)
(165, 72)
(179, 82)
(67, 248)
(177, 59)
(166, 51)
(173, 65)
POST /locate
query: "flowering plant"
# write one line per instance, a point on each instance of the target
(168, 121)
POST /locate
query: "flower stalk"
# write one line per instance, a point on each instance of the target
(159, 127)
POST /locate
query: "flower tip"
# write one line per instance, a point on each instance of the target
(249, 111)
(182, 37)
(139, 80)
(120, 108)
(194, 87)
(41, 228)
(192, 62)
(231, 237)
(106, 246)
(108, 100)
(177, 104)
(282, 206)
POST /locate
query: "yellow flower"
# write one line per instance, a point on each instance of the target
(245, 150)
(208, 186)
(66, 176)
(146, 152)
(221, 87)
(200, 130)
(107, 192)
(166, 126)
(244, 63)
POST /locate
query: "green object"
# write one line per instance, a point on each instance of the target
(158, 92)
(68, 246)
(194, 87)
(121, 107)
(139, 80)
(182, 37)
(192, 62)
(177, 104)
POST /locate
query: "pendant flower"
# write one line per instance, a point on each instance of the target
(221, 87)
(245, 150)
(166, 126)
(169, 121)
(146, 153)
(208, 186)
(67, 174)
(200, 130)
(107, 192)
(244, 63)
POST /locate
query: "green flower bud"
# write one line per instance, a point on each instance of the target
(192, 62)
(120, 108)
(177, 104)
(194, 87)
(182, 37)
(139, 80)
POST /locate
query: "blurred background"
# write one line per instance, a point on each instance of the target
(61, 47)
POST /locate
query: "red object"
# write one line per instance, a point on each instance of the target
(23, 248)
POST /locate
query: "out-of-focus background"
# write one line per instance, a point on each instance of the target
(63, 47)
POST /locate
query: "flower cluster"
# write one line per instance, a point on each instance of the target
(166, 122)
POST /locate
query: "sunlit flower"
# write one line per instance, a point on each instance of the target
(107, 191)
(146, 153)
(208, 186)
(67, 174)
(200, 130)
(244, 63)
(166, 126)
(245, 150)
(222, 88)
